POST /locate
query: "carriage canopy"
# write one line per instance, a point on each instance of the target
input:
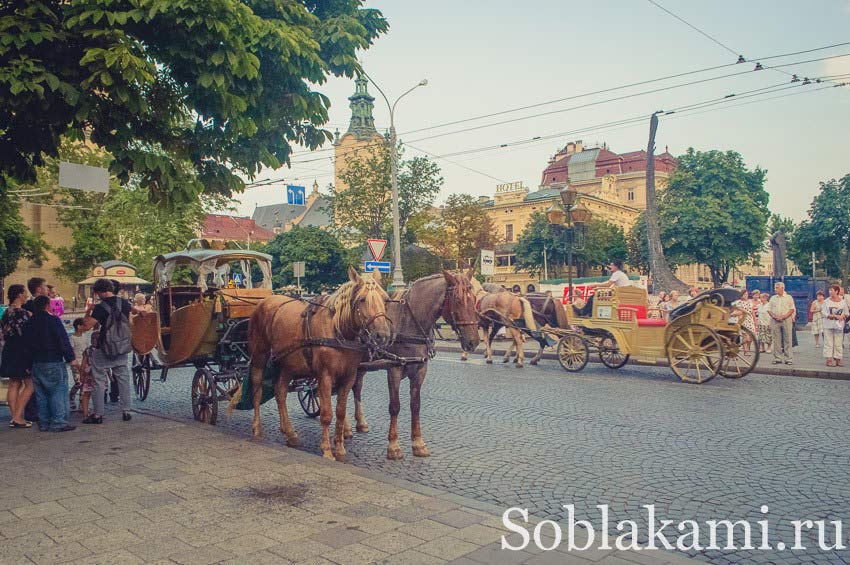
(213, 267)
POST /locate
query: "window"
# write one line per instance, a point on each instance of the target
(631, 195)
(509, 232)
(502, 261)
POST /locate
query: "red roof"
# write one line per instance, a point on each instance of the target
(608, 163)
(234, 228)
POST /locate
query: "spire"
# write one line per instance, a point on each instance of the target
(362, 123)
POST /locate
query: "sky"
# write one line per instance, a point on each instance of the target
(487, 56)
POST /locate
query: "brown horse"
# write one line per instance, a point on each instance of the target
(497, 308)
(413, 313)
(548, 311)
(305, 340)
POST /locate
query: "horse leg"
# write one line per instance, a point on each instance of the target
(394, 382)
(417, 378)
(362, 426)
(343, 388)
(508, 351)
(520, 347)
(537, 357)
(281, 387)
(464, 355)
(488, 343)
(325, 413)
(256, 397)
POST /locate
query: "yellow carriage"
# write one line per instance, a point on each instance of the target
(701, 339)
(203, 299)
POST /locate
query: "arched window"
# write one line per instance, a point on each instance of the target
(530, 288)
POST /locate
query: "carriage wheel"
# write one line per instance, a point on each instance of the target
(735, 363)
(141, 375)
(573, 353)
(695, 353)
(610, 354)
(204, 397)
(308, 396)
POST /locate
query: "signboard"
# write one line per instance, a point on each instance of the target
(488, 262)
(509, 187)
(583, 291)
(298, 269)
(83, 177)
(377, 247)
(295, 194)
(380, 266)
(237, 279)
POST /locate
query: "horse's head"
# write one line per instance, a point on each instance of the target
(459, 309)
(363, 303)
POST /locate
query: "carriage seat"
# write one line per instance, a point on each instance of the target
(629, 312)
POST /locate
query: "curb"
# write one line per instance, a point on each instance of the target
(795, 372)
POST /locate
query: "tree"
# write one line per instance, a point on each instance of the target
(460, 230)
(826, 230)
(17, 242)
(186, 96)
(603, 243)
(326, 261)
(363, 209)
(637, 248)
(662, 274)
(714, 211)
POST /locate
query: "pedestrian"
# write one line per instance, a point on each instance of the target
(662, 298)
(113, 347)
(692, 293)
(79, 342)
(835, 313)
(782, 312)
(57, 303)
(14, 362)
(37, 286)
(141, 303)
(49, 348)
(816, 310)
(764, 335)
(672, 303)
(755, 302)
(744, 310)
(86, 378)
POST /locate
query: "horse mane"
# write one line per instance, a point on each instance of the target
(340, 303)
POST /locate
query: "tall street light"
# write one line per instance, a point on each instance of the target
(398, 275)
(568, 211)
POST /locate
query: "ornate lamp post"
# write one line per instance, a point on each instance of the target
(398, 275)
(576, 215)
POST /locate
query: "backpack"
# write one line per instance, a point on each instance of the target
(115, 339)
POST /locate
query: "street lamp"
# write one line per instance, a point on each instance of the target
(398, 275)
(571, 211)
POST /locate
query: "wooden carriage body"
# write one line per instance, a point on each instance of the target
(190, 320)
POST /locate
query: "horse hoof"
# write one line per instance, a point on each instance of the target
(394, 454)
(519, 365)
(339, 455)
(363, 428)
(534, 363)
(421, 451)
(293, 442)
(489, 361)
(505, 360)
(328, 455)
(347, 434)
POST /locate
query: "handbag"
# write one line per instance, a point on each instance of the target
(847, 326)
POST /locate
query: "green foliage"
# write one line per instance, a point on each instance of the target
(326, 260)
(363, 209)
(637, 248)
(714, 211)
(418, 262)
(16, 240)
(185, 95)
(603, 243)
(460, 230)
(826, 231)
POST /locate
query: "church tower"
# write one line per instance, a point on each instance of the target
(361, 134)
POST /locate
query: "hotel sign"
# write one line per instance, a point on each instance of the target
(509, 187)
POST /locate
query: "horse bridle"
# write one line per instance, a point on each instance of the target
(448, 313)
(364, 334)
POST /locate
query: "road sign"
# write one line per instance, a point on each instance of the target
(488, 262)
(237, 279)
(377, 247)
(298, 269)
(380, 266)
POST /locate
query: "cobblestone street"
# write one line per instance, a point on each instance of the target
(540, 438)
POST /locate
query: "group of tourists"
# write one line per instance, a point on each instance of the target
(37, 351)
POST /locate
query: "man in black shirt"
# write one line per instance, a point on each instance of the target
(107, 313)
(37, 287)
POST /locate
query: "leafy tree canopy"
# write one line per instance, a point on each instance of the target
(826, 231)
(460, 230)
(637, 247)
(186, 96)
(714, 211)
(17, 242)
(326, 261)
(363, 208)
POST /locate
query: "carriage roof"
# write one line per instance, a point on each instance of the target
(204, 255)
(205, 261)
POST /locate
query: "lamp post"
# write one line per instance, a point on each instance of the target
(398, 275)
(572, 213)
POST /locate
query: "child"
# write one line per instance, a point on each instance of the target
(79, 342)
(86, 379)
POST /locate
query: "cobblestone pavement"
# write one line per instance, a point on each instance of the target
(160, 491)
(539, 438)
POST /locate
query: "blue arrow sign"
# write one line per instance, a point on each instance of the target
(237, 279)
(380, 266)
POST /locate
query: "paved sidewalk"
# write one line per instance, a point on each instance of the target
(155, 490)
(808, 360)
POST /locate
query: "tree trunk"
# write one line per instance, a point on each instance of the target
(662, 276)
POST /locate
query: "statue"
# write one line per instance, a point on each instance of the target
(779, 245)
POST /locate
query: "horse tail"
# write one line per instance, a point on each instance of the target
(256, 339)
(528, 314)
